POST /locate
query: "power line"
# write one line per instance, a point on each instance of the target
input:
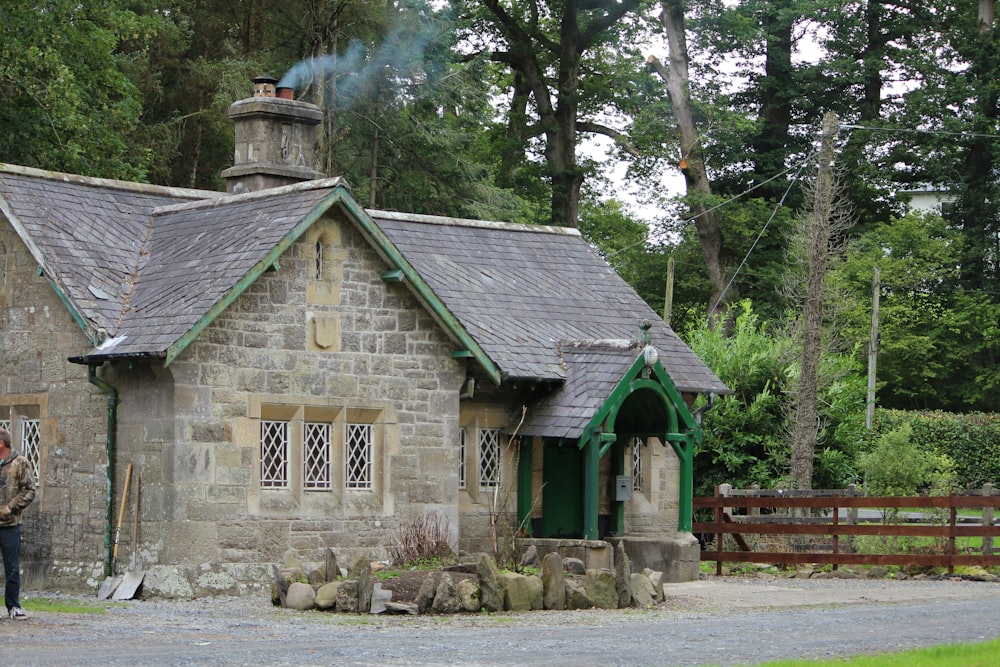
(763, 229)
(902, 130)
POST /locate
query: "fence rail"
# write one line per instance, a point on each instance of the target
(831, 517)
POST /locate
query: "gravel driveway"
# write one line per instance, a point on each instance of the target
(725, 621)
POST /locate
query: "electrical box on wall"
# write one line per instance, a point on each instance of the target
(623, 488)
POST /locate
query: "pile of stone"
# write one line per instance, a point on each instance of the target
(561, 584)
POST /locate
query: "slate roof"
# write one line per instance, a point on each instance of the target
(198, 253)
(154, 265)
(519, 289)
(85, 233)
(593, 369)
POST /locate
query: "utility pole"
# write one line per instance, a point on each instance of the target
(873, 349)
(668, 298)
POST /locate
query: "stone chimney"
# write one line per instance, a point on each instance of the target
(275, 139)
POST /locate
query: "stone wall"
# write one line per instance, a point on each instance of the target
(322, 338)
(64, 529)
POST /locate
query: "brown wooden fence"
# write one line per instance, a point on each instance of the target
(810, 527)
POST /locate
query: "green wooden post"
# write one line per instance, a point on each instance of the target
(686, 490)
(524, 456)
(591, 462)
(618, 466)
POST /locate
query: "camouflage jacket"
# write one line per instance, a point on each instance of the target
(17, 488)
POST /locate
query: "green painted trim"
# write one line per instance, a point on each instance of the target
(683, 431)
(38, 255)
(73, 312)
(393, 276)
(591, 479)
(618, 506)
(421, 289)
(524, 465)
(462, 354)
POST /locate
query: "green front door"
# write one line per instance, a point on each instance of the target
(562, 493)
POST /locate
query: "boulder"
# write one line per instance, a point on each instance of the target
(332, 566)
(279, 586)
(361, 573)
(574, 566)
(347, 596)
(446, 600)
(623, 576)
(601, 587)
(300, 596)
(530, 556)
(656, 579)
(326, 595)
(290, 561)
(468, 593)
(553, 582)
(379, 599)
(642, 592)
(491, 587)
(401, 608)
(576, 595)
(521, 592)
(428, 589)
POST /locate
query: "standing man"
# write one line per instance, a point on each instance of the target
(17, 490)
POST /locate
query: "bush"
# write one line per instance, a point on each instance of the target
(422, 539)
(971, 441)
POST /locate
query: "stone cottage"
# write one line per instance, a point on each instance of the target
(282, 368)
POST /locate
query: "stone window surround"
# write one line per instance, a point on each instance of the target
(472, 421)
(27, 412)
(296, 500)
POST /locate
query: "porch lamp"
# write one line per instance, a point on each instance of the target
(650, 356)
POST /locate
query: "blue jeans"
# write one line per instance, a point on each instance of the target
(10, 550)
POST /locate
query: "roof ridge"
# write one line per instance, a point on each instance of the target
(225, 198)
(467, 222)
(93, 181)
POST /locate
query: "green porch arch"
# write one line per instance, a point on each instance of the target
(644, 402)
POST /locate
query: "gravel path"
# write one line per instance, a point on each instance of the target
(728, 621)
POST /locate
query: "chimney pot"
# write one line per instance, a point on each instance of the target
(263, 86)
(286, 93)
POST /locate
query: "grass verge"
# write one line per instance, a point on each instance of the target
(947, 655)
(62, 605)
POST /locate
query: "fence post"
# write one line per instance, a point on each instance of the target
(988, 490)
(852, 516)
(725, 490)
(721, 491)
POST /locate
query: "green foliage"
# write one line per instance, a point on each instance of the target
(938, 345)
(746, 433)
(971, 441)
(898, 466)
(68, 105)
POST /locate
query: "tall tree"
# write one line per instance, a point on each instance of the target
(68, 105)
(699, 187)
(553, 48)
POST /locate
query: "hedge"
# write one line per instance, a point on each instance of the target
(971, 440)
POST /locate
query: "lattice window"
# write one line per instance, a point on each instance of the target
(462, 433)
(637, 445)
(274, 441)
(316, 457)
(359, 453)
(5, 424)
(31, 444)
(489, 458)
